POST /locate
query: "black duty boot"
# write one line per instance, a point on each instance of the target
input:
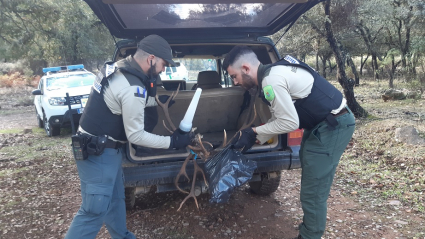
(298, 237)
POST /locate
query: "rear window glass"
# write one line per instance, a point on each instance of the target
(194, 66)
(157, 16)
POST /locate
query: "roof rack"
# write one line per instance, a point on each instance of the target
(57, 69)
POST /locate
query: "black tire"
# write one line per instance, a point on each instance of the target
(39, 120)
(50, 130)
(130, 197)
(267, 185)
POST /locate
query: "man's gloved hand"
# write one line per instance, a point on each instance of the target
(180, 140)
(246, 140)
(164, 98)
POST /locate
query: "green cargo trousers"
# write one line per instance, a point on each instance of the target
(321, 149)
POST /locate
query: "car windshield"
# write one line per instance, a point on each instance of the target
(69, 81)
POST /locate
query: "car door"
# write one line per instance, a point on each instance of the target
(38, 98)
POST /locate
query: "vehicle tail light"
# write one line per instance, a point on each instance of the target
(295, 137)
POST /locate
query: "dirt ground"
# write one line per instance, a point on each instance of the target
(39, 195)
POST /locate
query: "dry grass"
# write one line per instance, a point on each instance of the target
(378, 167)
(17, 79)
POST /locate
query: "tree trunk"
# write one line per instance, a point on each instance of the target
(331, 68)
(353, 69)
(391, 81)
(375, 67)
(362, 64)
(369, 41)
(392, 71)
(323, 59)
(346, 83)
(317, 61)
(317, 53)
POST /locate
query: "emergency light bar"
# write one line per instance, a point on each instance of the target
(75, 67)
(51, 69)
(63, 68)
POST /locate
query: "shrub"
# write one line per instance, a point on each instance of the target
(17, 79)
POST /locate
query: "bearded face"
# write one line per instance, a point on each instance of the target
(153, 72)
(247, 82)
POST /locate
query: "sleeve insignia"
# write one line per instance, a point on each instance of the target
(268, 93)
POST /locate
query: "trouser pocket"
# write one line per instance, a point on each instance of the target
(96, 199)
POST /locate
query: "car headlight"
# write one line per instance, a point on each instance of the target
(57, 101)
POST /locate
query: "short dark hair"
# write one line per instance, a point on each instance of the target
(234, 54)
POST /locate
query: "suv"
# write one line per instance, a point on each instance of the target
(51, 105)
(178, 72)
(200, 33)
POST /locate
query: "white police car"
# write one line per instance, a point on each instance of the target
(178, 72)
(50, 100)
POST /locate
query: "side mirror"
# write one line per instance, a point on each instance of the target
(36, 92)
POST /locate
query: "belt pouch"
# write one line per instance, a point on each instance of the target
(97, 145)
(79, 146)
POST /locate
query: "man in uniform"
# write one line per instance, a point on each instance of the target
(114, 114)
(298, 97)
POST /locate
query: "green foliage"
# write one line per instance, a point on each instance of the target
(54, 32)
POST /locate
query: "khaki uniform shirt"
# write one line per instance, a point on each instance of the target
(120, 99)
(289, 84)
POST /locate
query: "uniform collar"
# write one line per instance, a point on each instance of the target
(261, 73)
(133, 63)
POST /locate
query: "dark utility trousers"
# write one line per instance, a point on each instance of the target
(321, 149)
(103, 199)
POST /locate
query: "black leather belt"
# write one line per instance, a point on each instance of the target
(113, 144)
(331, 118)
(342, 112)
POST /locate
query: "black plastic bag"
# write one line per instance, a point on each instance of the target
(227, 170)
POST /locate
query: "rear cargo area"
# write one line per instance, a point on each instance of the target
(218, 110)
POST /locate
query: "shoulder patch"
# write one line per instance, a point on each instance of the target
(291, 59)
(96, 83)
(110, 69)
(268, 93)
(140, 93)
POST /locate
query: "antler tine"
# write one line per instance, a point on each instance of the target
(192, 190)
(165, 126)
(243, 127)
(204, 151)
(224, 139)
(176, 92)
(247, 124)
(164, 107)
(182, 172)
(251, 108)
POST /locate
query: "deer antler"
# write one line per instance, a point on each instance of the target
(224, 139)
(199, 148)
(246, 124)
(192, 190)
(165, 106)
(182, 172)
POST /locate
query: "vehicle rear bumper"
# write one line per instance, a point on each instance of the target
(165, 173)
